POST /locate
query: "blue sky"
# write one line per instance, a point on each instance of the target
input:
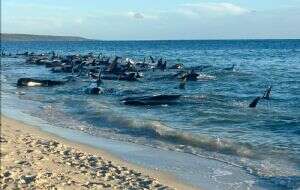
(154, 19)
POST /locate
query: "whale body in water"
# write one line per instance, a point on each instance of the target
(151, 100)
(37, 82)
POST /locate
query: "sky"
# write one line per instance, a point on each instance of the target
(154, 19)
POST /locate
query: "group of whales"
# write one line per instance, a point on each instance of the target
(101, 67)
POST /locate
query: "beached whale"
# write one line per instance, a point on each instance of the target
(38, 82)
(151, 100)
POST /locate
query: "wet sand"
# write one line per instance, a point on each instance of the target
(33, 159)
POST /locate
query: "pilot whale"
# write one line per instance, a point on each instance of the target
(37, 82)
(254, 102)
(151, 100)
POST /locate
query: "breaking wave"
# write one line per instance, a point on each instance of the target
(159, 131)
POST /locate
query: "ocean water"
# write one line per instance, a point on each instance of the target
(211, 119)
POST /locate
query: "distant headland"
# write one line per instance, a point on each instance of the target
(32, 37)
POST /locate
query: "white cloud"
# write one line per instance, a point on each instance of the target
(212, 9)
(138, 15)
(180, 21)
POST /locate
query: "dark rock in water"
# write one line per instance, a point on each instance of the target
(150, 100)
(37, 82)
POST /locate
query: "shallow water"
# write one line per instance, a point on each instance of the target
(211, 120)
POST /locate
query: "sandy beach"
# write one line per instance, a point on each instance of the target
(33, 159)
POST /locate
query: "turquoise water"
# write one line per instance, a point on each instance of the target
(212, 119)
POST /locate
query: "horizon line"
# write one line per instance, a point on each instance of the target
(191, 39)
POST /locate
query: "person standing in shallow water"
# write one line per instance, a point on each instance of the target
(182, 83)
(266, 96)
(267, 93)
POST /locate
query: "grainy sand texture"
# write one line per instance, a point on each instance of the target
(32, 159)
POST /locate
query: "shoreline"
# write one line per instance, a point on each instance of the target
(26, 140)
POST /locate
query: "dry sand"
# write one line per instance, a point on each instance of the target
(33, 159)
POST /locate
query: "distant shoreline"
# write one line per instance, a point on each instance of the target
(30, 37)
(7, 37)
